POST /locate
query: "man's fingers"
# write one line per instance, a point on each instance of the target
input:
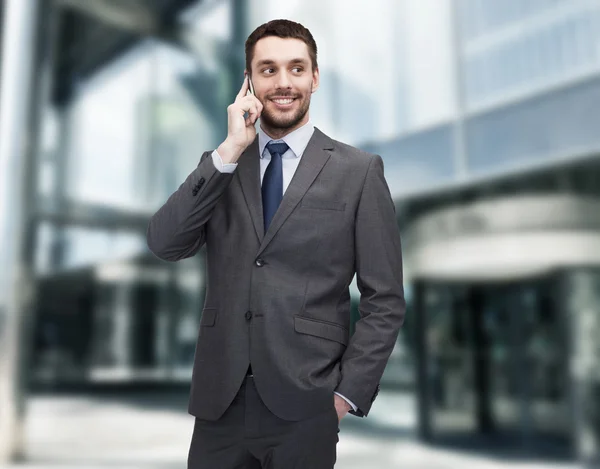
(244, 88)
(258, 104)
(253, 113)
(251, 106)
(246, 103)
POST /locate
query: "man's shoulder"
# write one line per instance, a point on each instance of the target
(355, 154)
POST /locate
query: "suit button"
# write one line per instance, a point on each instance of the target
(201, 181)
(260, 262)
(248, 315)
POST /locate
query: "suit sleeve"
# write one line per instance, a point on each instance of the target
(178, 229)
(378, 264)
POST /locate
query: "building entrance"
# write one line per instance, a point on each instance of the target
(493, 362)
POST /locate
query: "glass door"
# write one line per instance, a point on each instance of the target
(496, 360)
(448, 345)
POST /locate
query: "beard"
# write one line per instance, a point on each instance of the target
(282, 120)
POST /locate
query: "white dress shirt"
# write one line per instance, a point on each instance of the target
(297, 142)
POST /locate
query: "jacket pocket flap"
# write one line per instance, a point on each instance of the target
(325, 330)
(208, 317)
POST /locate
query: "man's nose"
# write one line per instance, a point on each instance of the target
(284, 80)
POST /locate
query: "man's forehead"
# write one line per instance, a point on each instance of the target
(277, 49)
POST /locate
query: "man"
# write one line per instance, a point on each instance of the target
(288, 217)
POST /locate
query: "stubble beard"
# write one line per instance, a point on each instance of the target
(283, 120)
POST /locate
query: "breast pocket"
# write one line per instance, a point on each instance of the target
(323, 205)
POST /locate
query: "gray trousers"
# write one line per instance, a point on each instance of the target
(249, 436)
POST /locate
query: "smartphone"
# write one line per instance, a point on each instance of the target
(250, 90)
(251, 86)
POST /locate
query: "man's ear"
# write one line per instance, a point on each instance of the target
(316, 80)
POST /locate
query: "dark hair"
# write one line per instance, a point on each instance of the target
(283, 29)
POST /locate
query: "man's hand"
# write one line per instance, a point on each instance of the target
(240, 130)
(341, 407)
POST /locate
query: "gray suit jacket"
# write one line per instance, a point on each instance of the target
(280, 300)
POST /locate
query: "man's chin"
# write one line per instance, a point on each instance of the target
(281, 123)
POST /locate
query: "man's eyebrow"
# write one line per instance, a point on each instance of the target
(272, 62)
(265, 62)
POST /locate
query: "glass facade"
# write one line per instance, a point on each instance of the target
(418, 159)
(136, 129)
(513, 48)
(131, 135)
(553, 126)
(529, 80)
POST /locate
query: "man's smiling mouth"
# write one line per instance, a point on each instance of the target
(283, 101)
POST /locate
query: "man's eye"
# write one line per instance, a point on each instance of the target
(268, 70)
(299, 69)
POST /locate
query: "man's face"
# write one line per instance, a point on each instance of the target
(283, 81)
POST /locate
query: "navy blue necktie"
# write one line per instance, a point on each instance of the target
(272, 185)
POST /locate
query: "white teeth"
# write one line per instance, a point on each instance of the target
(283, 101)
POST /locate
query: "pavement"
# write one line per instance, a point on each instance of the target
(153, 431)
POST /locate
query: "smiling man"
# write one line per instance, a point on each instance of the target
(288, 216)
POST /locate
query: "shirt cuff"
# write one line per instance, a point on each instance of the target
(354, 408)
(221, 167)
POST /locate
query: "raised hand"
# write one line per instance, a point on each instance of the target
(240, 129)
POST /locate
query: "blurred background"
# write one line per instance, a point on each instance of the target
(487, 116)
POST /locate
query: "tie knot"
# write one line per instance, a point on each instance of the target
(277, 148)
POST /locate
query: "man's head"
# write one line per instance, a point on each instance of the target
(281, 59)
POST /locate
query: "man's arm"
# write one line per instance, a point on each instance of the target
(178, 229)
(378, 258)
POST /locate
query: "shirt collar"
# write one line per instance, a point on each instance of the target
(296, 140)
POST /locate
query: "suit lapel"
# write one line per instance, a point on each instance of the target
(313, 159)
(249, 173)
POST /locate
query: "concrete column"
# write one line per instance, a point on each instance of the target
(169, 314)
(61, 178)
(419, 310)
(17, 192)
(120, 338)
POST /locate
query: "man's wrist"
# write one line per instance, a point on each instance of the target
(349, 404)
(229, 153)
